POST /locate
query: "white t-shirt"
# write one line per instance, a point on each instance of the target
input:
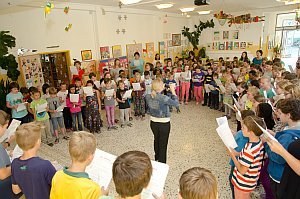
(63, 96)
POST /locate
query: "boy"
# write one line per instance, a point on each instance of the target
(214, 94)
(198, 183)
(132, 173)
(171, 82)
(248, 165)
(62, 94)
(266, 88)
(42, 116)
(56, 116)
(79, 91)
(268, 73)
(31, 175)
(148, 82)
(124, 105)
(207, 79)
(73, 182)
(198, 78)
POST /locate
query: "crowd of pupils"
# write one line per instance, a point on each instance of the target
(258, 94)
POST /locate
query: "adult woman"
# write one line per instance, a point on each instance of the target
(158, 107)
(116, 69)
(156, 59)
(77, 64)
(137, 64)
(258, 59)
(244, 57)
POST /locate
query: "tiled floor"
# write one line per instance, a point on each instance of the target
(193, 142)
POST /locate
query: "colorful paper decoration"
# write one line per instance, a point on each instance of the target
(222, 17)
(117, 51)
(67, 28)
(48, 8)
(66, 10)
(105, 53)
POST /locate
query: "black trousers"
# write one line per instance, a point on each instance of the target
(214, 100)
(275, 189)
(207, 99)
(161, 133)
(67, 118)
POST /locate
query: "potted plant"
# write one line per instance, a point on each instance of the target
(4, 90)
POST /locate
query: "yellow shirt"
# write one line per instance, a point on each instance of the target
(71, 185)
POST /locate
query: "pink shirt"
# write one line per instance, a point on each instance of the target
(74, 108)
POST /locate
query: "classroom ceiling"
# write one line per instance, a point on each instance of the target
(215, 5)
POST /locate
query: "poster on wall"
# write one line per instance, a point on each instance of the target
(216, 35)
(150, 50)
(32, 70)
(229, 45)
(236, 45)
(235, 34)
(104, 52)
(170, 43)
(225, 35)
(249, 45)
(132, 48)
(86, 55)
(176, 39)
(243, 45)
(124, 61)
(161, 48)
(89, 67)
(117, 51)
(221, 46)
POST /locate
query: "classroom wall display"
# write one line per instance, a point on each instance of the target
(150, 50)
(229, 45)
(176, 39)
(117, 51)
(225, 35)
(235, 34)
(249, 44)
(169, 44)
(32, 70)
(109, 63)
(221, 46)
(86, 55)
(216, 35)
(243, 45)
(236, 45)
(161, 48)
(132, 48)
(104, 52)
(89, 67)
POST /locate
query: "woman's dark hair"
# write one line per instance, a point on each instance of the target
(136, 53)
(265, 111)
(69, 89)
(244, 58)
(107, 80)
(45, 87)
(260, 51)
(291, 106)
(92, 75)
(156, 55)
(191, 53)
(255, 83)
(13, 85)
(77, 62)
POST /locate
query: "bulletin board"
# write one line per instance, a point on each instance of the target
(150, 51)
(132, 48)
(117, 51)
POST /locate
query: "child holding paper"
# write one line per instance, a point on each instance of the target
(109, 96)
(75, 108)
(198, 78)
(185, 79)
(266, 88)
(39, 108)
(62, 94)
(124, 105)
(171, 82)
(73, 181)
(214, 93)
(57, 118)
(228, 96)
(248, 165)
(207, 79)
(139, 98)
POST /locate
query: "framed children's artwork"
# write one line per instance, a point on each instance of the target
(88, 66)
(235, 34)
(176, 39)
(249, 44)
(161, 47)
(132, 48)
(221, 46)
(117, 51)
(225, 35)
(230, 45)
(236, 45)
(104, 52)
(150, 50)
(216, 35)
(86, 55)
(243, 45)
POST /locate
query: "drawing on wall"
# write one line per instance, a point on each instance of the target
(221, 46)
(176, 39)
(243, 45)
(104, 52)
(86, 55)
(225, 35)
(132, 48)
(161, 48)
(150, 50)
(88, 66)
(236, 45)
(32, 70)
(117, 51)
(235, 34)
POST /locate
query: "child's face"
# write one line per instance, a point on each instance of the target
(78, 83)
(89, 85)
(108, 84)
(240, 89)
(171, 77)
(147, 77)
(53, 95)
(269, 67)
(147, 67)
(249, 95)
(209, 71)
(77, 65)
(72, 90)
(25, 95)
(186, 68)
(283, 117)
(93, 78)
(279, 91)
(169, 64)
(63, 87)
(14, 90)
(198, 70)
(175, 70)
(245, 130)
(264, 84)
(122, 86)
(36, 96)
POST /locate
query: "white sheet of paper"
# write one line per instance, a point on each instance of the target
(17, 152)
(230, 106)
(196, 80)
(88, 90)
(41, 108)
(265, 94)
(274, 91)
(127, 94)
(218, 82)
(236, 103)
(233, 87)
(226, 135)
(73, 70)
(21, 107)
(291, 69)
(206, 86)
(60, 108)
(177, 75)
(222, 120)
(136, 86)
(97, 84)
(100, 170)
(157, 181)
(222, 88)
(74, 98)
(265, 132)
(211, 87)
(10, 130)
(109, 93)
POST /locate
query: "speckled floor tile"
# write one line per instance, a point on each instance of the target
(193, 142)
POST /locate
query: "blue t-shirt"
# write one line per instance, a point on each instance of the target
(198, 76)
(15, 99)
(241, 141)
(33, 176)
(171, 81)
(257, 61)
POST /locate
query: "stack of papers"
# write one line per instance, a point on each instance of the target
(73, 70)
(97, 84)
(10, 130)
(225, 133)
(265, 132)
(127, 94)
(74, 98)
(136, 86)
(60, 108)
(41, 108)
(88, 91)
(206, 86)
(22, 107)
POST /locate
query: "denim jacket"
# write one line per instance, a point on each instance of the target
(159, 106)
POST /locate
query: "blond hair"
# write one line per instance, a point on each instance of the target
(294, 90)
(198, 183)
(27, 135)
(81, 145)
(52, 90)
(156, 86)
(284, 83)
(253, 90)
(4, 118)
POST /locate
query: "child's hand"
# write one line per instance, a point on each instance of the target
(15, 107)
(55, 111)
(104, 191)
(275, 146)
(161, 197)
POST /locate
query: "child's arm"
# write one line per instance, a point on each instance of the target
(10, 106)
(16, 189)
(5, 172)
(240, 167)
(99, 100)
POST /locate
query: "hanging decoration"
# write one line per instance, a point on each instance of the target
(241, 19)
(48, 8)
(298, 15)
(66, 10)
(222, 17)
(67, 28)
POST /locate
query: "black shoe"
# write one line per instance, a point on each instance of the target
(203, 104)
(178, 110)
(122, 126)
(211, 107)
(130, 118)
(50, 144)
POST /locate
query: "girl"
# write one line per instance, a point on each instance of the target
(109, 104)
(93, 109)
(138, 98)
(252, 91)
(280, 86)
(292, 91)
(228, 96)
(198, 78)
(176, 78)
(242, 98)
(75, 109)
(186, 77)
(244, 57)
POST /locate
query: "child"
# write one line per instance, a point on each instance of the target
(132, 173)
(250, 160)
(228, 96)
(79, 91)
(41, 116)
(73, 181)
(45, 90)
(75, 109)
(198, 78)
(171, 82)
(148, 82)
(93, 108)
(56, 116)
(207, 79)
(27, 98)
(214, 93)
(13, 100)
(186, 77)
(124, 105)
(198, 183)
(31, 175)
(268, 73)
(266, 88)
(139, 98)
(109, 104)
(62, 94)
(177, 88)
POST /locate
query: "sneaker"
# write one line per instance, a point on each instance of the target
(197, 103)
(108, 128)
(56, 141)
(130, 118)
(114, 127)
(66, 137)
(203, 104)
(178, 110)
(122, 126)
(186, 103)
(50, 144)
(129, 124)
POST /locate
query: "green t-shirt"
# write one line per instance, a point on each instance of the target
(42, 116)
(270, 93)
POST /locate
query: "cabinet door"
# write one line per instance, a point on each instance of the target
(61, 67)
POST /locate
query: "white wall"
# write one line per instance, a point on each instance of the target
(91, 29)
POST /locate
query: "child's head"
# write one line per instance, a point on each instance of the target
(175, 69)
(259, 53)
(28, 136)
(77, 64)
(198, 183)
(52, 92)
(186, 67)
(280, 86)
(121, 84)
(241, 87)
(36, 94)
(90, 83)
(147, 75)
(72, 89)
(252, 91)
(63, 86)
(24, 91)
(250, 128)
(292, 91)
(246, 113)
(92, 77)
(288, 110)
(14, 87)
(82, 147)
(171, 76)
(137, 76)
(107, 82)
(215, 76)
(31, 89)
(269, 66)
(265, 83)
(77, 82)
(198, 69)
(209, 70)
(4, 120)
(45, 88)
(131, 173)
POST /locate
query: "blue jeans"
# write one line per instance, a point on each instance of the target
(77, 119)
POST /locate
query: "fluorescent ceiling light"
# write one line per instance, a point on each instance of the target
(164, 5)
(187, 9)
(289, 2)
(188, 16)
(204, 12)
(127, 2)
